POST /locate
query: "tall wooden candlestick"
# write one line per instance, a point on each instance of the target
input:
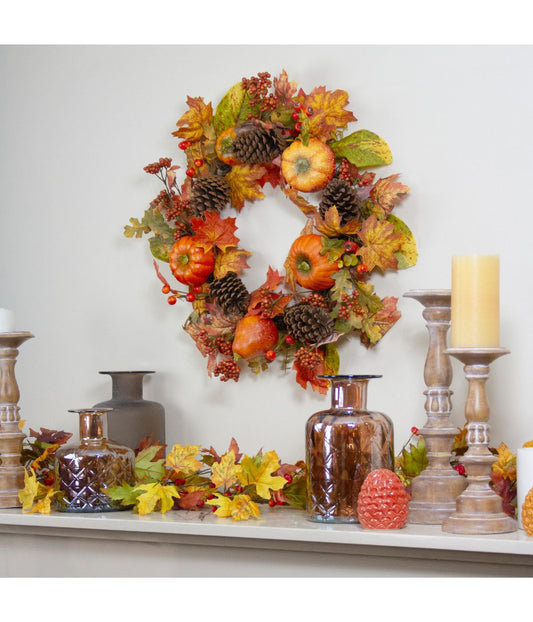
(479, 508)
(11, 469)
(434, 491)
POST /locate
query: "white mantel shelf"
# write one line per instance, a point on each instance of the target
(279, 529)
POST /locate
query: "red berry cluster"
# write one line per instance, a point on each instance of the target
(257, 87)
(317, 300)
(227, 369)
(266, 301)
(347, 171)
(223, 346)
(154, 167)
(308, 358)
(348, 305)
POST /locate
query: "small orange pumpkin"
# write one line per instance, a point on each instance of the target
(310, 167)
(189, 263)
(224, 146)
(310, 267)
(254, 336)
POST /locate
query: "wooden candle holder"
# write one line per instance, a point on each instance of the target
(11, 438)
(435, 490)
(479, 508)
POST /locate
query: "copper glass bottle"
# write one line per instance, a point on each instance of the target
(83, 470)
(343, 444)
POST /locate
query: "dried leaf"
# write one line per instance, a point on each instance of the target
(506, 463)
(305, 375)
(305, 206)
(54, 437)
(212, 230)
(244, 184)
(196, 122)
(380, 243)
(330, 225)
(231, 260)
(329, 112)
(284, 90)
(387, 193)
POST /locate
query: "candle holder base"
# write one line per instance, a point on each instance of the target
(434, 491)
(11, 438)
(479, 509)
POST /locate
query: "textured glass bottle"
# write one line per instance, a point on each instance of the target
(84, 469)
(132, 418)
(343, 444)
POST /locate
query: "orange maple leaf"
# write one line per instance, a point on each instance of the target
(305, 374)
(231, 260)
(387, 316)
(243, 180)
(197, 121)
(387, 193)
(212, 230)
(328, 111)
(331, 224)
(380, 243)
(283, 89)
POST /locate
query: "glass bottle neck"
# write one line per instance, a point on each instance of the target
(93, 425)
(349, 393)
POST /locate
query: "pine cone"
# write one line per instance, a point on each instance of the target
(231, 295)
(308, 323)
(345, 198)
(209, 193)
(259, 145)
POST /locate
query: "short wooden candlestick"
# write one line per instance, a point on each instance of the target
(11, 469)
(435, 490)
(479, 508)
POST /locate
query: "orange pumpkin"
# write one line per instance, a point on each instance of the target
(189, 263)
(310, 167)
(311, 269)
(254, 336)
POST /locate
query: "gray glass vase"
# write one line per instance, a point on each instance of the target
(132, 418)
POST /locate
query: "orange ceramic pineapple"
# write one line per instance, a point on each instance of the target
(383, 502)
(310, 167)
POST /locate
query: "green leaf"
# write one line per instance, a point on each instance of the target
(363, 148)
(145, 469)
(136, 229)
(343, 284)
(407, 256)
(367, 298)
(332, 359)
(232, 109)
(334, 247)
(163, 239)
(126, 494)
(414, 460)
(295, 493)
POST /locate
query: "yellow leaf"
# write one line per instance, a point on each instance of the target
(380, 243)
(329, 114)
(506, 463)
(241, 507)
(43, 505)
(244, 185)
(258, 471)
(21, 424)
(29, 492)
(528, 444)
(231, 260)
(225, 472)
(156, 495)
(182, 459)
(197, 121)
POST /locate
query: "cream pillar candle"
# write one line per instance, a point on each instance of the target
(475, 315)
(524, 478)
(7, 321)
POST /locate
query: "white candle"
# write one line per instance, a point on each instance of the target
(524, 478)
(475, 313)
(7, 321)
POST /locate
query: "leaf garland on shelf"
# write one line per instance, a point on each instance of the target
(270, 131)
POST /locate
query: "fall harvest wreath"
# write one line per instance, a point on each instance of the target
(267, 131)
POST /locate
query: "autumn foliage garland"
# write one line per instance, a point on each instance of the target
(267, 131)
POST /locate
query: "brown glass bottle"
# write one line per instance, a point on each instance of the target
(343, 444)
(83, 470)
